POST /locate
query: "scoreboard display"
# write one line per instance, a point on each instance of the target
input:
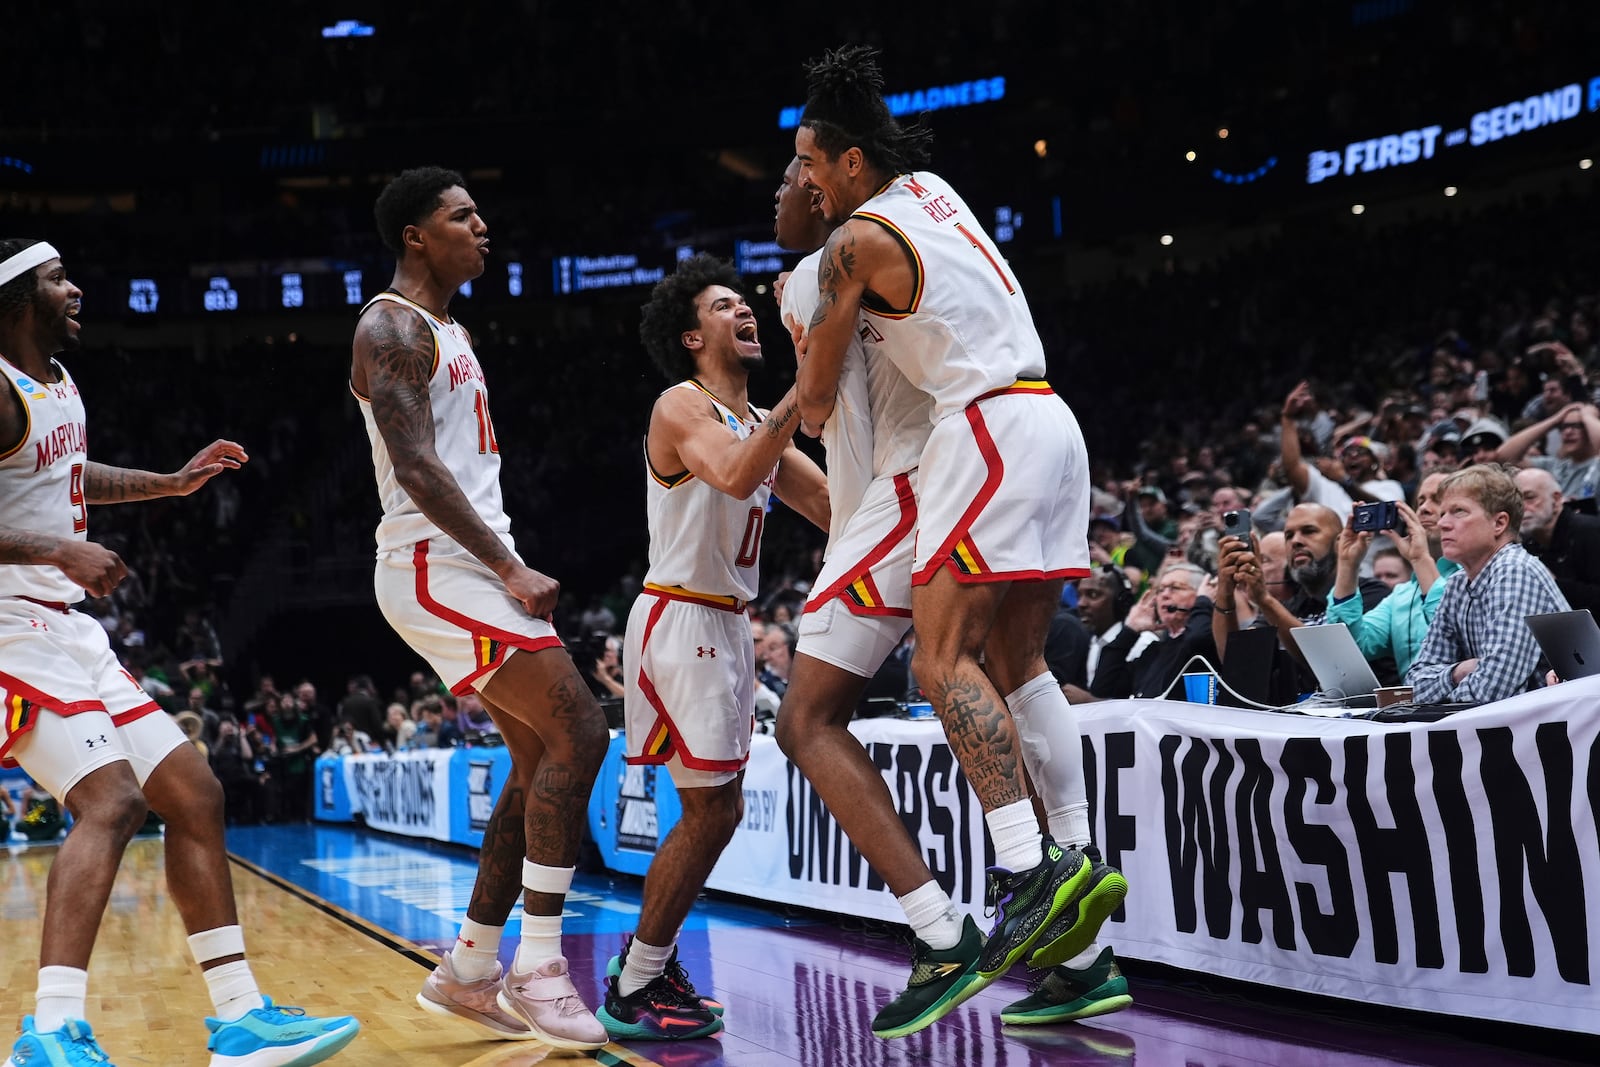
(323, 287)
(221, 293)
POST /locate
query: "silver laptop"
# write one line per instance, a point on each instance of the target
(1334, 657)
(1570, 640)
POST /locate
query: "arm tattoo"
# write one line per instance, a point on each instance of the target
(25, 546)
(398, 350)
(117, 485)
(840, 257)
(778, 422)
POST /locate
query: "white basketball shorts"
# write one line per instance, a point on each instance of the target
(1003, 491)
(70, 707)
(860, 605)
(690, 682)
(455, 613)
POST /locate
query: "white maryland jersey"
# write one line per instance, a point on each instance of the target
(880, 420)
(967, 329)
(463, 437)
(702, 540)
(41, 481)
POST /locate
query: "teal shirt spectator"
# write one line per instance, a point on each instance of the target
(1398, 623)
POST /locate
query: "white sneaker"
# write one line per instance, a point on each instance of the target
(472, 1000)
(546, 1000)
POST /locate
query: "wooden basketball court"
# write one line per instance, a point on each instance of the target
(344, 921)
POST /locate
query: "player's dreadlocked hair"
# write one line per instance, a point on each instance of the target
(671, 312)
(845, 109)
(17, 294)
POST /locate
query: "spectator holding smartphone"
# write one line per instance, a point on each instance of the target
(1398, 623)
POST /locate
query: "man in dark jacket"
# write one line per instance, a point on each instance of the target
(1097, 665)
(1566, 542)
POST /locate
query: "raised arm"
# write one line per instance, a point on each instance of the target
(1294, 465)
(103, 484)
(686, 433)
(1516, 446)
(394, 353)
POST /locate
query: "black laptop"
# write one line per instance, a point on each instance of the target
(1570, 640)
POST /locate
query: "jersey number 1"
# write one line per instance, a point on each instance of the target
(995, 263)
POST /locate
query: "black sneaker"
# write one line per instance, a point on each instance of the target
(658, 1012)
(675, 975)
(941, 978)
(1066, 994)
(1074, 930)
(1025, 902)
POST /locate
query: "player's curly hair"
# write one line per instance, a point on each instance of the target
(845, 109)
(409, 199)
(17, 294)
(670, 311)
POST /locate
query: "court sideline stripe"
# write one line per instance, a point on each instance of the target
(612, 1055)
(410, 950)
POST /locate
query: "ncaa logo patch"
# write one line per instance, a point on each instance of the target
(27, 385)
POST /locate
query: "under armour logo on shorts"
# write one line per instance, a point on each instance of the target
(701, 652)
(96, 742)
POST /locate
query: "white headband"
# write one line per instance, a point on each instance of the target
(26, 260)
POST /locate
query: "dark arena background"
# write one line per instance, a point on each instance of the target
(1206, 203)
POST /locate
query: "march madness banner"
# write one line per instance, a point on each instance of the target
(406, 793)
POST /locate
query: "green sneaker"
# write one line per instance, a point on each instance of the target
(1026, 905)
(941, 978)
(1074, 928)
(1067, 994)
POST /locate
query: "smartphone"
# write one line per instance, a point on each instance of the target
(1236, 524)
(1384, 515)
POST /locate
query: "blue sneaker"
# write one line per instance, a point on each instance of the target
(70, 1046)
(278, 1037)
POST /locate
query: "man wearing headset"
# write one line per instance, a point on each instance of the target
(1105, 597)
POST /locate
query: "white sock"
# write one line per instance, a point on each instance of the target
(63, 991)
(233, 990)
(1015, 832)
(476, 951)
(645, 963)
(932, 916)
(234, 993)
(541, 941)
(1085, 959)
(1051, 747)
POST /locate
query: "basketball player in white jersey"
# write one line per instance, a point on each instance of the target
(712, 460)
(451, 584)
(857, 614)
(1002, 504)
(79, 725)
(858, 611)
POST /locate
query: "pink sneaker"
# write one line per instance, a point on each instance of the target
(548, 1001)
(474, 1001)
